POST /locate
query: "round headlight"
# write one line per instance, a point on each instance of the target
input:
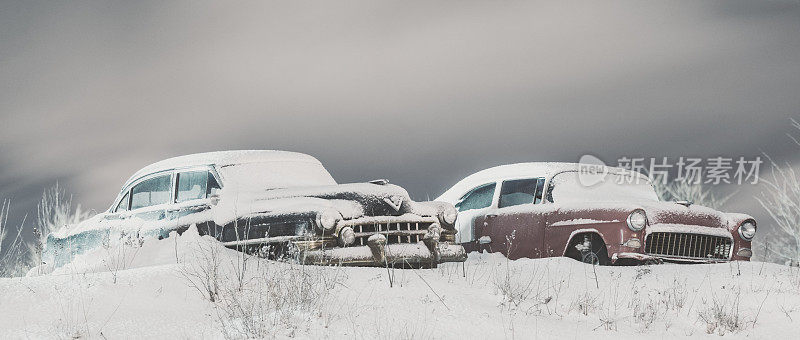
(747, 230)
(346, 236)
(434, 232)
(448, 215)
(637, 220)
(328, 219)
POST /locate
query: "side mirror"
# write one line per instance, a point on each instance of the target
(214, 199)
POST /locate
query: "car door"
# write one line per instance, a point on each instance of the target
(472, 205)
(192, 201)
(114, 221)
(150, 199)
(515, 224)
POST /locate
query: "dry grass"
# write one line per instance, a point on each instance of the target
(683, 190)
(722, 315)
(122, 256)
(259, 298)
(202, 272)
(55, 211)
(780, 197)
(13, 251)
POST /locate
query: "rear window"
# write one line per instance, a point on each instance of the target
(192, 185)
(521, 191)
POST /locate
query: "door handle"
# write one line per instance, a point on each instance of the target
(491, 215)
(173, 210)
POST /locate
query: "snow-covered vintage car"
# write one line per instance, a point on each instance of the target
(281, 202)
(594, 214)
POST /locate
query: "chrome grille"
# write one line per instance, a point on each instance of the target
(691, 246)
(401, 232)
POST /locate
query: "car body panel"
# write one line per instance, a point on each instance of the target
(280, 211)
(675, 231)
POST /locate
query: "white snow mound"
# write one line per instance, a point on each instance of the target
(161, 291)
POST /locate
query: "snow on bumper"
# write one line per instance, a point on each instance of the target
(377, 254)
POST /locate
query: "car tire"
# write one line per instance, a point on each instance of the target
(598, 254)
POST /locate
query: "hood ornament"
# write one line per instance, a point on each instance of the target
(394, 201)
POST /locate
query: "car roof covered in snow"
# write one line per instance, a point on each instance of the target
(512, 171)
(222, 158)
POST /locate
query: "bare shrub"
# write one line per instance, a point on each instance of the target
(74, 308)
(55, 211)
(278, 296)
(257, 298)
(13, 251)
(686, 190)
(532, 291)
(514, 285)
(121, 257)
(650, 305)
(610, 306)
(584, 303)
(722, 315)
(202, 272)
(781, 199)
(382, 327)
(645, 312)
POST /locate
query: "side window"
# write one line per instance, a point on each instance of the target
(521, 191)
(151, 192)
(478, 198)
(123, 204)
(192, 185)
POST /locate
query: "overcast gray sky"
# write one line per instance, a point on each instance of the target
(420, 92)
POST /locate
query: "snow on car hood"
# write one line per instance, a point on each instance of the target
(351, 200)
(660, 213)
(674, 213)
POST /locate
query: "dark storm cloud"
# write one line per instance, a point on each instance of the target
(421, 93)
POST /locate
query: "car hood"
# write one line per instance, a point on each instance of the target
(658, 213)
(674, 213)
(351, 200)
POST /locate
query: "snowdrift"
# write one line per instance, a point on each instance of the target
(191, 287)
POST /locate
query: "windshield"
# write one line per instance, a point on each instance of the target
(274, 175)
(566, 187)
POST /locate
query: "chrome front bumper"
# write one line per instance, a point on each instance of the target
(383, 255)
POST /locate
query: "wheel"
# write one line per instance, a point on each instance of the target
(588, 248)
(590, 258)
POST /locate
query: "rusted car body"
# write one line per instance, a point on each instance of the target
(277, 203)
(536, 210)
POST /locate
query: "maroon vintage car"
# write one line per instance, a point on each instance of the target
(594, 214)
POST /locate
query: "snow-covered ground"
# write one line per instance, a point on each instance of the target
(161, 289)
